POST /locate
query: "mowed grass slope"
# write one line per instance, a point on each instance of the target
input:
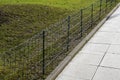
(68, 4)
(21, 19)
(20, 22)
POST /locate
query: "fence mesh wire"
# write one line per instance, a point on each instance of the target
(37, 57)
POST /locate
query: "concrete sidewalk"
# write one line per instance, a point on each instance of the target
(100, 57)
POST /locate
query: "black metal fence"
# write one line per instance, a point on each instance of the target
(36, 58)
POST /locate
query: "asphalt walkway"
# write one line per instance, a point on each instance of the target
(100, 57)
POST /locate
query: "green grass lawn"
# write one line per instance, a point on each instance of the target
(21, 19)
(68, 4)
(20, 22)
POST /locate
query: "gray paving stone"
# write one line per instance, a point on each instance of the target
(102, 40)
(107, 74)
(111, 60)
(117, 39)
(91, 47)
(112, 22)
(109, 28)
(88, 52)
(114, 18)
(114, 49)
(90, 59)
(104, 34)
(64, 77)
(78, 71)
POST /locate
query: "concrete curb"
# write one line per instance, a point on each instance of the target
(65, 62)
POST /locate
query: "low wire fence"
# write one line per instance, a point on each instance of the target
(36, 58)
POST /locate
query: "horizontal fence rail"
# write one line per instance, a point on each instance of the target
(37, 57)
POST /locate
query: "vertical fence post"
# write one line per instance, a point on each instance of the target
(92, 15)
(43, 56)
(81, 22)
(68, 33)
(100, 9)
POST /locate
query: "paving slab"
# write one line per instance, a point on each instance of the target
(107, 74)
(102, 40)
(116, 39)
(110, 28)
(104, 34)
(91, 47)
(77, 72)
(114, 49)
(112, 24)
(68, 78)
(89, 59)
(114, 18)
(111, 60)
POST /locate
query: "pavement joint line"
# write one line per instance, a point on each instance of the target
(113, 53)
(110, 67)
(100, 62)
(93, 65)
